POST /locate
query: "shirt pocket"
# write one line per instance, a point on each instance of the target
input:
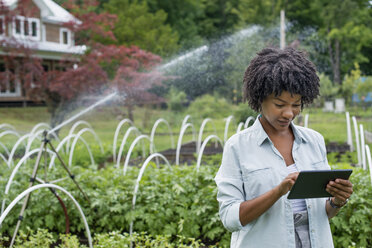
(257, 182)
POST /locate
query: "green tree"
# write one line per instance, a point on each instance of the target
(183, 16)
(136, 25)
(261, 12)
(220, 18)
(345, 25)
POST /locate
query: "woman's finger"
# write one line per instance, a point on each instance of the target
(345, 186)
(338, 193)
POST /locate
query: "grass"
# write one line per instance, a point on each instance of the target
(104, 121)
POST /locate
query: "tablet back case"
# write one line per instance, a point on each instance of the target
(312, 184)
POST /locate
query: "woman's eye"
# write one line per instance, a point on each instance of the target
(279, 105)
(297, 105)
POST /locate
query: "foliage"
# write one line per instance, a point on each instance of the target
(176, 99)
(183, 16)
(350, 84)
(220, 18)
(343, 25)
(94, 26)
(100, 69)
(258, 11)
(170, 202)
(243, 112)
(207, 106)
(239, 56)
(42, 238)
(327, 89)
(137, 26)
(352, 225)
(218, 67)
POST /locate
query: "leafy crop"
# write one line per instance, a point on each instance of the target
(171, 203)
(44, 239)
(353, 224)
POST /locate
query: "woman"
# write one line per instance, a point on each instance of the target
(261, 164)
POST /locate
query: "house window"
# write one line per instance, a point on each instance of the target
(26, 27)
(18, 26)
(2, 25)
(9, 85)
(34, 28)
(65, 36)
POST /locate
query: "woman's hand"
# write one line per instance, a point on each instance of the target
(341, 190)
(287, 183)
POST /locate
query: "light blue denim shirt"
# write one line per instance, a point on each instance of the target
(251, 166)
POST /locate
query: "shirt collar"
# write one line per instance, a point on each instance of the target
(262, 135)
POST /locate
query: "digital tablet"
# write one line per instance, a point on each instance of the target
(312, 184)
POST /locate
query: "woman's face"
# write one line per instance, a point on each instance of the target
(278, 111)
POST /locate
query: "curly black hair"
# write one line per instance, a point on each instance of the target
(274, 70)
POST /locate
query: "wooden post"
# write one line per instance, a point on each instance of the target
(282, 29)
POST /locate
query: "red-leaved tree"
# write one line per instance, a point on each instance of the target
(103, 68)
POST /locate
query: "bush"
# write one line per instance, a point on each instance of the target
(176, 99)
(243, 112)
(208, 106)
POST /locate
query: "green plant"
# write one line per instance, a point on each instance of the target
(350, 83)
(352, 225)
(42, 238)
(243, 112)
(327, 89)
(176, 99)
(210, 106)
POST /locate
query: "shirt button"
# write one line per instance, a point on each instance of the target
(309, 206)
(312, 230)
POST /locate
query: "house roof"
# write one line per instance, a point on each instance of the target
(50, 11)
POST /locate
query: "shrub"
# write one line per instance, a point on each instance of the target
(243, 112)
(176, 99)
(210, 106)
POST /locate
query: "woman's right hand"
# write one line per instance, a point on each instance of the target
(287, 183)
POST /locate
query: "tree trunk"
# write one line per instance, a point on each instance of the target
(334, 57)
(130, 111)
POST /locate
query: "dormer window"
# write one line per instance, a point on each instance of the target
(65, 36)
(26, 27)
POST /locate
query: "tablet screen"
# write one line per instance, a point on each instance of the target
(312, 184)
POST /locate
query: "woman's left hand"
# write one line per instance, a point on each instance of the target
(341, 190)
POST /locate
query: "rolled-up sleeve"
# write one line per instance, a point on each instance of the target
(230, 189)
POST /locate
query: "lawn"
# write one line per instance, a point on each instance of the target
(104, 121)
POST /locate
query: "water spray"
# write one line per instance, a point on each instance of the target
(83, 112)
(44, 143)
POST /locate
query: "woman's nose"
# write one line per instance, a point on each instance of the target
(288, 113)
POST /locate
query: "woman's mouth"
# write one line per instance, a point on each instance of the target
(284, 123)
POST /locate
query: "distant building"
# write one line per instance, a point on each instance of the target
(44, 32)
